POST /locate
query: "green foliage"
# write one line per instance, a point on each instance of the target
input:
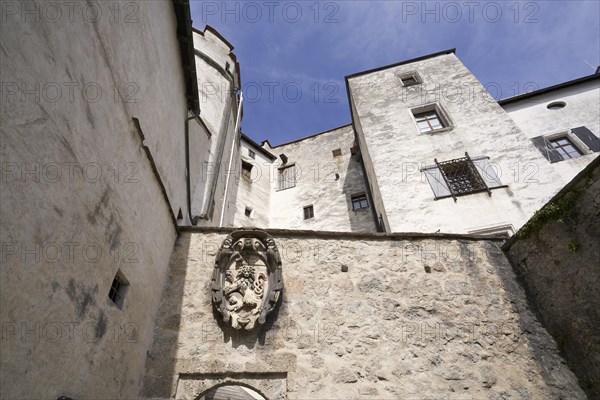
(563, 208)
(573, 245)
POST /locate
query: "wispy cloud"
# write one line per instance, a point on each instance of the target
(544, 42)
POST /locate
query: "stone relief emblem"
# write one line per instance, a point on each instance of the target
(247, 278)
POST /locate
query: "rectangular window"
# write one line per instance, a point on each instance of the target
(337, 152)
(359, 201)
(309, 212)
(573, 143)
(462, 176)
(251, 154)
(248, 212)
(429, 121)
(247, 170)
(287, 177)
(410, 79)
(565, 148)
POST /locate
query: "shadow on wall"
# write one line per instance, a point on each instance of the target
(551, 366)
(556, 256)
(360, 220)
(160, 378)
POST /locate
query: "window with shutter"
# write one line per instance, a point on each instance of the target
(462, 176)
(567, 145)
(287, 177)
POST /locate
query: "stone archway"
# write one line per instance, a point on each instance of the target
(266, 386)
(231, 392)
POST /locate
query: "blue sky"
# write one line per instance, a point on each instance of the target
(294, 55)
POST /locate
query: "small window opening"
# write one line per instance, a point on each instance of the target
(247, 170)
(359, 202)
(251, 154)
(566, 148)
(118, 289)
(556, 105)
(429, 121)
(248, 212)
(409, 81)
(309, 212)
(337, 152)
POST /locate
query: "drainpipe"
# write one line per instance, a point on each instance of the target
(235, 135)
(193, 220)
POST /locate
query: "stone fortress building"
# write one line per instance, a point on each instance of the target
(124, 171)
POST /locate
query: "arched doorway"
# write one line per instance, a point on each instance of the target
(231, 392)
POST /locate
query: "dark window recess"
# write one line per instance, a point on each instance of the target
(565, 148)
(247, 170)
(381, 224)
(359, 202)
(248, 211)
(118, 289)
(409, 81)
(309, 212)
(337, 152)
(556, 105)
(251, 154)
(429, 121)
(462, 176)
(287, 177)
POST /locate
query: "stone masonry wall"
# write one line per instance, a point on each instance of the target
(438, 317)
(557, 256)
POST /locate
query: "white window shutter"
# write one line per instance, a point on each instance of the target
(487, 171)
(437, 182)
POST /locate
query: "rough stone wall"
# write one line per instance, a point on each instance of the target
(434, 317)
(480, 127)
(534, 119)
(325, 181)
(557, 256)
(79, 198)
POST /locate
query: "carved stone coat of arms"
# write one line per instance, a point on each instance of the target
(247, 278)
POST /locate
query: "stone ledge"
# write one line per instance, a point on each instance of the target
(346, 235)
